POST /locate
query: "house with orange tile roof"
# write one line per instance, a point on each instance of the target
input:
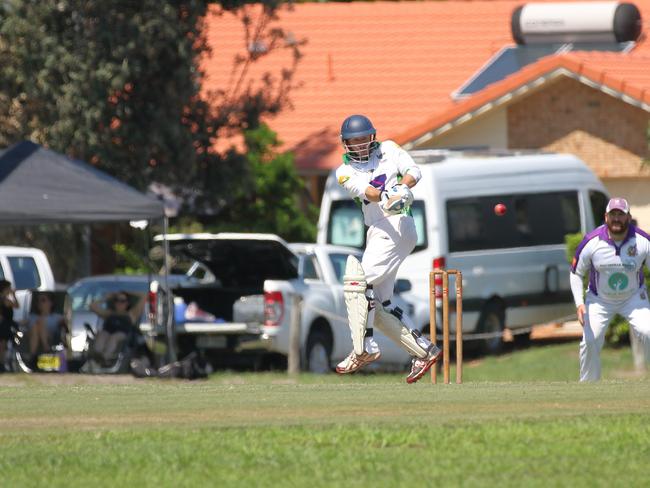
(409, 66)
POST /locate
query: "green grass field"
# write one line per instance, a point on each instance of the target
(520, 419)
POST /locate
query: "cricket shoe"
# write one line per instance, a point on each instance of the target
(421, 366)
(355, 361)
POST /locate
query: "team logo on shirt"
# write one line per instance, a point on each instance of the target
(618, 282)
(379, 182)
(343, 179)
(631, 251)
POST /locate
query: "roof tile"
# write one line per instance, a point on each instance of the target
(397, 62)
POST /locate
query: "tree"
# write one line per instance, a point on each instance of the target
(105, 82)
(270, 200)
(118, 84)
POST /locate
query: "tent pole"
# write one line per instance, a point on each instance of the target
(169, 322)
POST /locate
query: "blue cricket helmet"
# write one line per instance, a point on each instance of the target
(358, 126)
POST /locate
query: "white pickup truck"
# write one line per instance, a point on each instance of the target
(26, 268)
(240, 311)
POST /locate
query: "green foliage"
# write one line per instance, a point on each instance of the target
(572, 241)
(112, 83)
(133, 262)
(118, 84)
(269, 200)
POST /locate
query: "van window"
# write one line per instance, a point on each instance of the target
(346, 227)
(419, 216)
(530, 220)
(598, 206)
(25, 272)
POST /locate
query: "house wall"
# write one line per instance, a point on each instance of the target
(489, 130)
(637, 192)
(568, 116)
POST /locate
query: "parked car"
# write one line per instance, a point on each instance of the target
(324, 322)
(87, 290)
(501, 219)
(222, 317)
(243, 315)
(27, 268)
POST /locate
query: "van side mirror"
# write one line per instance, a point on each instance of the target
(402, 285)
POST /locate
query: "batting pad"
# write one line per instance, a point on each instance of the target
(356, 303)
(395, 330)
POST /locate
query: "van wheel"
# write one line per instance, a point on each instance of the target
(319, 353)
(492, 321)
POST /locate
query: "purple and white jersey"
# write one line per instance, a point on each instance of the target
(615, 271)
(385, 164)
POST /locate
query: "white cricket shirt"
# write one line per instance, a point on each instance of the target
(385, 165)
(615, 272)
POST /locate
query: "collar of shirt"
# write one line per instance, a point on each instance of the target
(603, 234)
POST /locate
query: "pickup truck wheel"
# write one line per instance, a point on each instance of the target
(319, 353)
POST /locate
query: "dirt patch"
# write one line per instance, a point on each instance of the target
(22, 379)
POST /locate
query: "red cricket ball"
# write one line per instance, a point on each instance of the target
(500, 209)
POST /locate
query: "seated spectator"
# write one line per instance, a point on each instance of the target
(120, 320)
(45, 327)
(7, 304)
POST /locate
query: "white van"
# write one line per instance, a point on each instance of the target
(514, 264)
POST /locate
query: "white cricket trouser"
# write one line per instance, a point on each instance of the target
(388, 242)
(599, 313)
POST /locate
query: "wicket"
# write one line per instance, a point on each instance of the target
(444, 274)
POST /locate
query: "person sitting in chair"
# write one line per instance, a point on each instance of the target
(45, 327)
(120, 320)
(8, 303)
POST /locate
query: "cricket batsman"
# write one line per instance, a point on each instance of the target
(379, 176)
(613, 255)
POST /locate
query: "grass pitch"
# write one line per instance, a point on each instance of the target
(271, 430)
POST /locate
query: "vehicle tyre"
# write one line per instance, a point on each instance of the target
(319, 353)
(19, 364)
(522, 341)
(492, 321)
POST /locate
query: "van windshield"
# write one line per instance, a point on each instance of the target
(529, 220)
(346, 227)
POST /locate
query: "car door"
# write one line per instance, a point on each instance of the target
(22, 271)
(325, 299)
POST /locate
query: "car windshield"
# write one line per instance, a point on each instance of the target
(84, 293)
(338, 263)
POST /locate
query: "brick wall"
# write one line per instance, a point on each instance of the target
(568, 116)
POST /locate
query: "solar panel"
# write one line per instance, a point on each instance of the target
(509, 60)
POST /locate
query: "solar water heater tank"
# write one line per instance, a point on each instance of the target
(583, 22)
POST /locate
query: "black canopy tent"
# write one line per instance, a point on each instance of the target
(38, 185)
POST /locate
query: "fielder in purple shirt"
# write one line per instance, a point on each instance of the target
(613, 256)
